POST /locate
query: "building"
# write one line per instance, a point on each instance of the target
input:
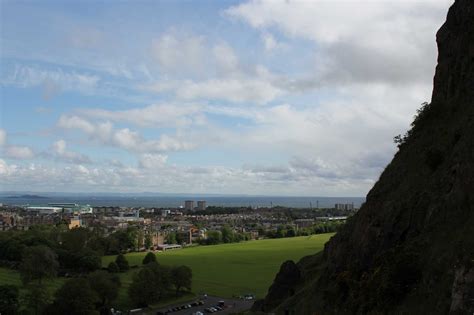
(72, 207)
(165, 247)
(189, 205)
(304, 223)
(344, 206)
(201, 205)
(74, 222)
(60, 208)
(44, 210)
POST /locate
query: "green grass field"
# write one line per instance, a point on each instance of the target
(222, 270)
(12, 277)
(231, 269)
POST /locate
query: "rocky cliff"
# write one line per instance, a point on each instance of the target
(410, 248)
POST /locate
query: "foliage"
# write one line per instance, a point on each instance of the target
(171, 238)
(122, 262)
(113, 267)
(106, 287)
(227, 234)
(39, 263)
(148, 241)
(213, 238)
(149, 284)
(420, 116)
(149, 258)
(9, 299)
(181, 277)
(36, 298)
(75, 297)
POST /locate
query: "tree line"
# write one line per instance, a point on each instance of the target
(44, 253)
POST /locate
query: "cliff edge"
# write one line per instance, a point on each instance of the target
(410, 248)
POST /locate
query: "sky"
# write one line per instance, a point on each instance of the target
(293, 98)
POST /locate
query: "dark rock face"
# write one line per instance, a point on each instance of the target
(405, 249)
(282, 287)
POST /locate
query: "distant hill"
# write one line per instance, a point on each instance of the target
(410, 248)
(26, 197)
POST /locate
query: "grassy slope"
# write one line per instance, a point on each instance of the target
(231, 269)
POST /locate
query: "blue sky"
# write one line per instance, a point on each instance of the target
(245, 97)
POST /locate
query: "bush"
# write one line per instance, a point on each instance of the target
(9, 299)
(149, 258)
(122, 262)
(113, 267)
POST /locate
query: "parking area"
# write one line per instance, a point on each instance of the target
(207, 305)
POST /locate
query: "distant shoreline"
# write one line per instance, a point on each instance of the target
(176, 201)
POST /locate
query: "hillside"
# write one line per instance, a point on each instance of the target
(410, 249)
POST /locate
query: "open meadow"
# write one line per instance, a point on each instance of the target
(223, 270)
(230, 269)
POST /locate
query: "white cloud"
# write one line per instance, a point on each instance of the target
(18, 152)
(152, 161)
(236, 90)
(383, 42)
(125, 138)
(60, 152)
(226, 59)
(75, 122)
(5, 169)
(52, 81)
(270, 43)
(179, 53)
(152, 176)
(156, 115)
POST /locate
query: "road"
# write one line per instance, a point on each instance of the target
(231, 306)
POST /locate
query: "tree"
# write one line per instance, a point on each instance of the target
(149, 258)
(122, 262)
(76, 239)
(113, 267)
(171, 238)
(181, 277)
(227, 234)
(75, 297)
(105, 285)
(149, 284)
(141, 290)
(89, 261)
(140, 239)
(281, 232)
(180, 238)
(9, 299)
(36, 297)
(214, 237)
(39, 262)
(290, 232)
(148, 241)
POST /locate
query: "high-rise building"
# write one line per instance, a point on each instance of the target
(189, 205)
(344, 206)
(201, 204)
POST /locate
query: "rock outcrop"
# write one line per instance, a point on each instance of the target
(410, 248)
